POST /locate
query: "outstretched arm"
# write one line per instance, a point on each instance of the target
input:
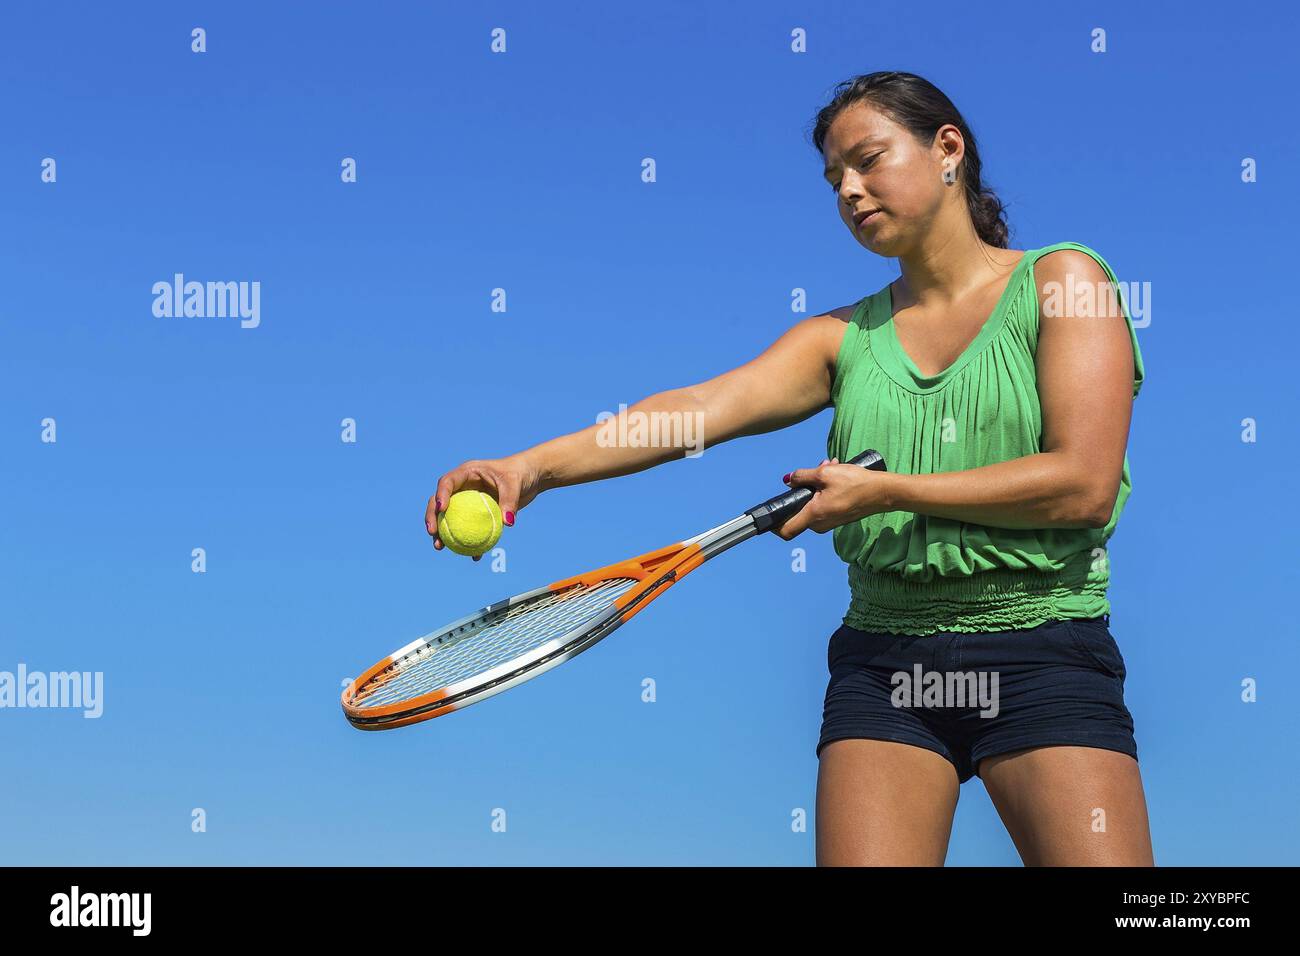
(787, 383)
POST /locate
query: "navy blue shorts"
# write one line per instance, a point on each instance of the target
(971, 696)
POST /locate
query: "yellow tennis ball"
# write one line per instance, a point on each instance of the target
(471, 524)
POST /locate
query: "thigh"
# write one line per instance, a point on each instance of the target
(881, 803)
(1071, 806)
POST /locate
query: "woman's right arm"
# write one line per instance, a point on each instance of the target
(787, 383)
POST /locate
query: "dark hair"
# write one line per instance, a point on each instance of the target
(920, 107)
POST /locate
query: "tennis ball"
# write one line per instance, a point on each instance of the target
(471, 524)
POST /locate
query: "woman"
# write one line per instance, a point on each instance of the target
(998, 385)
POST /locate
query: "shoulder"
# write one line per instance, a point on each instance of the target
(824, 333)
(1066, 261)
(1069, 276)
(830, 325)
(843, 315)
(827, 329)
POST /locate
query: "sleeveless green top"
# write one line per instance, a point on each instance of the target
(916, 574)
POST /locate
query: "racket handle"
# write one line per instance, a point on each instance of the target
(776, 510)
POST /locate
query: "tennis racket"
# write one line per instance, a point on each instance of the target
(507, 643)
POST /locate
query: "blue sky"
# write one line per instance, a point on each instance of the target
(522, 171)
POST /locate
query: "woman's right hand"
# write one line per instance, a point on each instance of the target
(512, 481)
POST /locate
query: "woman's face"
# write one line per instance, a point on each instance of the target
(877, 167)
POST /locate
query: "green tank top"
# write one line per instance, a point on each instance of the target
(916, 574)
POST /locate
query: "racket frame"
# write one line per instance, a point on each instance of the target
(655, 572)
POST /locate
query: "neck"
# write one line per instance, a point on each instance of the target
(949, 263)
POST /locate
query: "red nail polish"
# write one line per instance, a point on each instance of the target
(510, 519)
(785, 478)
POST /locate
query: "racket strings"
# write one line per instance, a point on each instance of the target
(494, 640)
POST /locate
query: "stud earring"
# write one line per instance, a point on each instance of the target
(949, 175)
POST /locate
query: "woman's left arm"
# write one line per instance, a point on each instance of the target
(1085, 387)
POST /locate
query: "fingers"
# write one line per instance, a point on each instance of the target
(436, 506)
(806, 517)
(431, 520)
(508, 497)
(806, 477)
(448, 485)
(794, 526)
(503, 484)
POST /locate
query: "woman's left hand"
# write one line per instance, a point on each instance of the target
(841, 493)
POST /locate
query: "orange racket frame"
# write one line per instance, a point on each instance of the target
(647, 577)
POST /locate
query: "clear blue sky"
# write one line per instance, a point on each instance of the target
(522, 171)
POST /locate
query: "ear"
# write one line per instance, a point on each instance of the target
(950, 145)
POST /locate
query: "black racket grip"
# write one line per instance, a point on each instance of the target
(776, 510)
